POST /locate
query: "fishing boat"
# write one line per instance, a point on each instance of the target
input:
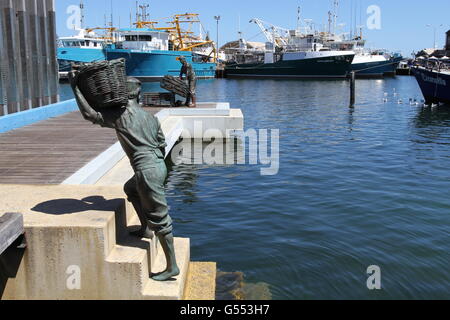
(289, 54)
(84, 47)
(433, 77)
(372, 63)
(151, 52)
(367, 63)
(404, 68)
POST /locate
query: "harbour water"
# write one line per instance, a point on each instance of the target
(357, 187)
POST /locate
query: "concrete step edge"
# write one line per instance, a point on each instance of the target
(170, 290)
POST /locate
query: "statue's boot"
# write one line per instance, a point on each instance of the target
(144, 231)
(172, 269)
(194, 102)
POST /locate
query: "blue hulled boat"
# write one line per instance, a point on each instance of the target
(150, 55)
(85, 47)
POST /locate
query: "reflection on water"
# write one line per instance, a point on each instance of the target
(433, 117)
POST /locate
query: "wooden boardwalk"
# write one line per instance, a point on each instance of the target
(50, 151)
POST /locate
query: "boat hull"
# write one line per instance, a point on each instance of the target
(314, 68)
(377, 69)
(67, 56)
(154, 65)
(435, 86)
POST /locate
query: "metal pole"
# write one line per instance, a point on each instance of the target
(217, 44)
(434, 37)
(25, 53)
(36, 66)
(44, 60)
(3, 73)
(53, 67)
(13, 83)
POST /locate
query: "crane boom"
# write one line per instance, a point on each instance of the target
(273, 34)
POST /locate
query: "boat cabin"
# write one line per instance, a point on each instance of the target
(141, 39)
(298, 42)
(83, 43)
(83, 40)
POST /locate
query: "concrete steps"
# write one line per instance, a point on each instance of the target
(143, 257)
(170, 290)
(79, 247)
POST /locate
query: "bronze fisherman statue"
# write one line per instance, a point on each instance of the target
(142, 139)
(188, 70)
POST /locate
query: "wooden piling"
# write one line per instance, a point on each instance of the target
(352, 88)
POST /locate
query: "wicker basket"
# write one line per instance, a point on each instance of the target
(104, 84)
(175, 85)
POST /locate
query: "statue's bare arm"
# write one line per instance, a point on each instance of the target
(86, 110)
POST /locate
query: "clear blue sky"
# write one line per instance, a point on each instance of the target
(403, 22)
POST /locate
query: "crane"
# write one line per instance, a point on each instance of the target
(276, 35)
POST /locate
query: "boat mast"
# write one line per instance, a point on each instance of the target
(335, 15)
(81, 14)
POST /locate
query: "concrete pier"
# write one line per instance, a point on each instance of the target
(69, 188)
(28, 66)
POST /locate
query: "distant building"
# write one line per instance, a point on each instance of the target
(425, 53)
(447, 43)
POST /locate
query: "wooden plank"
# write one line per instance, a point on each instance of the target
(11, 228)
(50, 151)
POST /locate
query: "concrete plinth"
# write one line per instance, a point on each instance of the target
(79, 247)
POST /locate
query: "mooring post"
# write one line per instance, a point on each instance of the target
(352, 88)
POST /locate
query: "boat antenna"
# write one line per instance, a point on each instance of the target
(137, 11)
(112, 14)
(351, 19)
(299, 11)
(330, 21)
(81, 14)
(335, 15)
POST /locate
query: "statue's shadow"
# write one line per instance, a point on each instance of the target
(59, 207)
(71, 206)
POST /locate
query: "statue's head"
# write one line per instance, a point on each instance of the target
(182, 59)
(134, 88)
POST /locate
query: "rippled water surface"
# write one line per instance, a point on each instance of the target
(356, 187)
